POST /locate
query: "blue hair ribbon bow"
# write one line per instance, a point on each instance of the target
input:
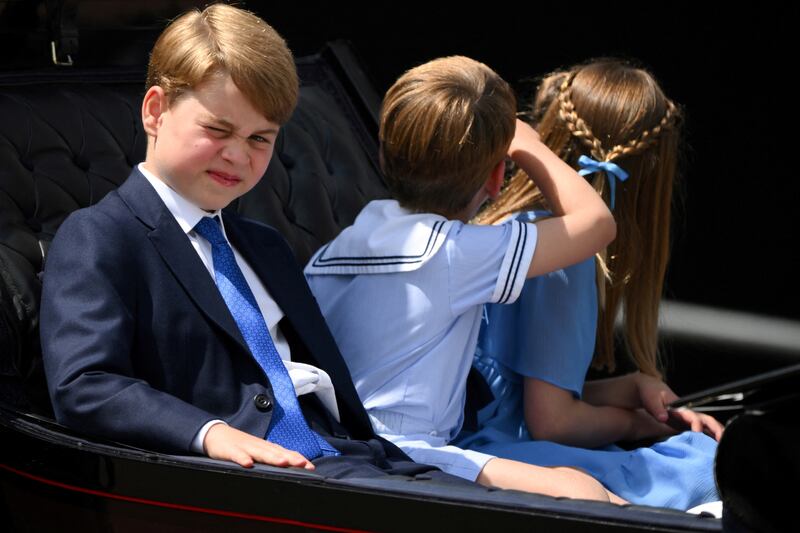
(613, 171)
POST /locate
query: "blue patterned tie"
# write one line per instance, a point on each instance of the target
(288, 426)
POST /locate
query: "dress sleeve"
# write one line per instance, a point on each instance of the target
(549, 332)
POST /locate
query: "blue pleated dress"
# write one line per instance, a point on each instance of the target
(549, 334)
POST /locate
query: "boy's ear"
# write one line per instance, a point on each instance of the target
(153, 107)
(495, 181)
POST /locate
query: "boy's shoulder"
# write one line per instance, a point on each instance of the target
(250, 225)
(260, 234)
(384, 238)
(102, 237)
(108, 216)
(112, 213)
(389, 239)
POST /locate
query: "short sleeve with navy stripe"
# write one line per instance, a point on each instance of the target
(488, 264)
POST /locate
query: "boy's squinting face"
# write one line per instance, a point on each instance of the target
(211, 145)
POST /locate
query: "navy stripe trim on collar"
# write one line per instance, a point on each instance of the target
(321, 262)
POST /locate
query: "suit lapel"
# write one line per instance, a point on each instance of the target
(177, 252)
(282, 278)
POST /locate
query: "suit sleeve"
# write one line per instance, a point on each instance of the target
(88, 321)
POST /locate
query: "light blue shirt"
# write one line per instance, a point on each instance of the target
(403, 294)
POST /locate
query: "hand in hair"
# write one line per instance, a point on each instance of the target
(581, 224)
(524, 135)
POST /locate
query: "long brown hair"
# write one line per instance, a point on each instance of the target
(612, 111)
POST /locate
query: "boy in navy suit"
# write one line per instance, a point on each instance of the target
(170, 326)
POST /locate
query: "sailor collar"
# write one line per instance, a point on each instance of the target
(384, 238)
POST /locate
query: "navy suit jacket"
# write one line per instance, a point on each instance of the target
(138, 343)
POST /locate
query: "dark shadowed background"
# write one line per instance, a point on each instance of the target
(735, 230)
(736, 226)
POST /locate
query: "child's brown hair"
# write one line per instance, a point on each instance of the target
(444, 126)
(612, 111)
(223, 39)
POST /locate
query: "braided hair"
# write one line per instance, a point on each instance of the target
(612, 111)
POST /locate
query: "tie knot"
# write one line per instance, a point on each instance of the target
(210, 229)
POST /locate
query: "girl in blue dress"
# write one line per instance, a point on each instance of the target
(613, 122)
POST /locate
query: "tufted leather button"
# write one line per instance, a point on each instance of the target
(286, 159)
(34, 225)
(263, 403)
(81, 162)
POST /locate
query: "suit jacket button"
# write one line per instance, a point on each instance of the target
(263, 403)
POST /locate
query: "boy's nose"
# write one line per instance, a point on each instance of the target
(235, 151)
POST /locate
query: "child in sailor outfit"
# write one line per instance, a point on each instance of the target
(418, 305)
(403, 288)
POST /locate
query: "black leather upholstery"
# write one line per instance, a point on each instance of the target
(69, 137)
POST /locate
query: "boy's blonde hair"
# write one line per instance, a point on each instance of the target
(223, 39)
(613, 111)
(444, 127)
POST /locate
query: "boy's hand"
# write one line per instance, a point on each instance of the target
(524, 136)
(230, 444)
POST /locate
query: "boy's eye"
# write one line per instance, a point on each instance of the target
(217, 132)
(259, 142)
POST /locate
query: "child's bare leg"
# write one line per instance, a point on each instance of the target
(552, 481)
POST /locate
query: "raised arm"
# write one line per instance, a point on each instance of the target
(582, 224)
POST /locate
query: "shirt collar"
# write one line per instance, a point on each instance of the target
(384, 238)
(185, 212)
